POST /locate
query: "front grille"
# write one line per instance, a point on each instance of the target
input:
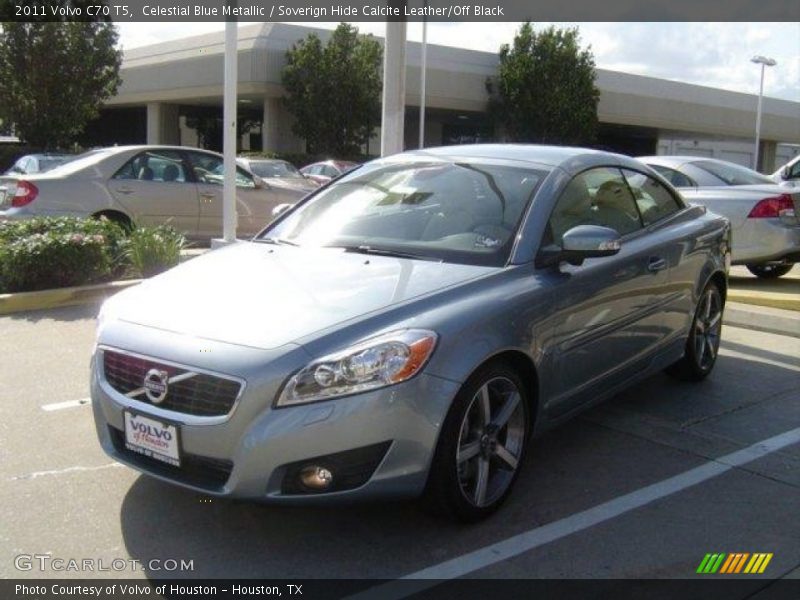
(199, 471)
(200, 394)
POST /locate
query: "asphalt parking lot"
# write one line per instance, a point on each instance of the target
(61, 496)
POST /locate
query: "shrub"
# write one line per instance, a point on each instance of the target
(152, 250)
(114, 235)
(53, 259)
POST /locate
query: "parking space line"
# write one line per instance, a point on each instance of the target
(37, 474)
(67, 404)
(533, 538)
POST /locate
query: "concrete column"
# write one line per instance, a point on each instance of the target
(766, 161)
(163, 125)
(394, 88)
(270, 125)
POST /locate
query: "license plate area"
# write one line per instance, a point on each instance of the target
(153, 438)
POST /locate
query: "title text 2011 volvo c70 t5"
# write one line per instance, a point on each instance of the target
(405, 330)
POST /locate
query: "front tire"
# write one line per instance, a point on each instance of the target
(702, 344)
(769, 271)
(481, 445)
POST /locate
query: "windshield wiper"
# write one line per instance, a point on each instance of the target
(276, 241)
(363, 249)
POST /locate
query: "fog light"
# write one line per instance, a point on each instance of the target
(316, 477)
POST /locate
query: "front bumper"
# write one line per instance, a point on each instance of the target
(254, 451)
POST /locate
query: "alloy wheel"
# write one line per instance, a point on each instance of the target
(491, 441)
(707, 329)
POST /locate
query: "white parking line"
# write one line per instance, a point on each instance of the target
(67, 404)
(533, 538)
(37, 474)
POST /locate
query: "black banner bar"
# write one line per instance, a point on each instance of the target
(412, 10)
(702, 588)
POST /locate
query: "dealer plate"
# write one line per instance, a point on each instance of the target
(152, 438)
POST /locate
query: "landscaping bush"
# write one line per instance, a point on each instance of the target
(53, 259)
(114, 235)
(47, 252)
(152, 250)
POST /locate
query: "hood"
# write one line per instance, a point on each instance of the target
(266, 296)
(299, 185)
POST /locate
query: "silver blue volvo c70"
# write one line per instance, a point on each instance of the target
(405, 330)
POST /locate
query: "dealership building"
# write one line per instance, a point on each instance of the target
(167, 87)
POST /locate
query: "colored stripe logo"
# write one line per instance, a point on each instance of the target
(737, 562)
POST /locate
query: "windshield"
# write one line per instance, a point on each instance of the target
(732, 174)
(280, 169)
(45, 164)
(87, 159)
(454, 212)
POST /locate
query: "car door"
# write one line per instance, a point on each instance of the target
(154, 188)
(608, 311)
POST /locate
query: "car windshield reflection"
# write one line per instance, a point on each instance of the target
(455, 212)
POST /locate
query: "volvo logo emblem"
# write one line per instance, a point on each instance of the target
(156, 385)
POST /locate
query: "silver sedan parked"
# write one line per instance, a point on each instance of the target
(145, 185)
(405, 330)
(277, 171)
(763, 214)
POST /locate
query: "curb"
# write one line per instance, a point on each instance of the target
(757, 318)
(72, 296)
(770, 299)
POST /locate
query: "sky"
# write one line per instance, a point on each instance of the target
(711, 54)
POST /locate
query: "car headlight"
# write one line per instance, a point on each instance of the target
(374, 363)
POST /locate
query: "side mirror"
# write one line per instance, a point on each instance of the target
(589, 241)
(786, 172)
(280, 209)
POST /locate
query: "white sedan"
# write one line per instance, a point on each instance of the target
(145, 185)
(763, 214)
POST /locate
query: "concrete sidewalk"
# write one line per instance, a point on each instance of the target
(746, 288)
(763, 318)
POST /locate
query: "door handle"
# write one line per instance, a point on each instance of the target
(125, 190)
(656, 264)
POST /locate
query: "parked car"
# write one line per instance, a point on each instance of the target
(38, 163)
(278, 172)
(323, 172)
(405, 330)
(764, 215)
(788, 174)
(145, 185)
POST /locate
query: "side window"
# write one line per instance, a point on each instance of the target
(207, 168)
(243, 180)
(794, 171)
(676, 178)
(654, 200)
(595, 197)
(156, 165)
(330, 171)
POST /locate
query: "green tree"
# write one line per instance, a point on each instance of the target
(545, 89)
(334, 91)
(55, 75)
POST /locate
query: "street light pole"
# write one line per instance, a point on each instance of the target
(764, 62)
(423, 76)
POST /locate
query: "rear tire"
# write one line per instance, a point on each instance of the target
(769, 271)
(702, 344)
(118, 218)
(481, 445)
